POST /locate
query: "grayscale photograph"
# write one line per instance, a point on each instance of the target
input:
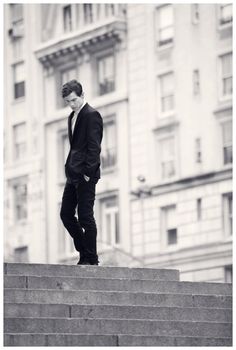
(117, 174)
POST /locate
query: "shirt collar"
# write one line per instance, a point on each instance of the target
(84, 103)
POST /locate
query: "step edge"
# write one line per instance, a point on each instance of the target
(120, 335)
(213, 284)
(122, 306)
(89, 267)
(115, 291)
(117, 319)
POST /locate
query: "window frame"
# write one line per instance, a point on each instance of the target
(60, 103)
(228, 273)
(196, 82)
(88, 10)
(16, 22)
(21, 258)
(169, 43)
(22, 97)
(16, 144)
(198, 150)
(161, 134)
(173, 160)
(62, 136)
(16, 202)
(194, 11)
(221, 97)
(227, 24)
(101, 57)
(226, 76)
(199, 209)
(227, 217)
(164, 114)
(110, 120)
(65, 20)
(64, 240)
(166, 228)
(222, 124)
(114, 213)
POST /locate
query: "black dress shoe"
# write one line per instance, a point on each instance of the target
(86, 262)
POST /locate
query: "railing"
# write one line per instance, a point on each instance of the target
(108, 158)
(92, 13)
(105, 248)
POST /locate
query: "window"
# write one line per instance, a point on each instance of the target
(165, 21)
(227, 214)
(226, 15)
(196, 82)
(198, 150)
(109, 10)
(228, 274)
(169, 225)
(17, 21)
(65, 241)
(172, 236)
(18, 49)
(64, 147)
(19, 80)
(68, 74)
(19, 136)
(167, 156)
(20, 201)
(195, 13)
(106, 74)
(226, 75)
(109, 149)
(167, 92)
(199, 209)
(88, 13)
(227, 142)
(67, 18)
(110, 222)
(64, 75)
(21, 254)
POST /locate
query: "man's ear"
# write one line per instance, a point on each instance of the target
(82, 94)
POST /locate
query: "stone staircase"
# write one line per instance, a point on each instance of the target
(62, 305)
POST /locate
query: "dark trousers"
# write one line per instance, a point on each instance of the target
(81, 196)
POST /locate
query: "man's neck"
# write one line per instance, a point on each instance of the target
(77, 112)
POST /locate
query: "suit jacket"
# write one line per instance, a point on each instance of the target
(85, 144)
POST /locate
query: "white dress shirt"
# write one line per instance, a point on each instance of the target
(74, 118)
(73, 121)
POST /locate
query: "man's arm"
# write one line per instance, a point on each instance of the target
(94, 139)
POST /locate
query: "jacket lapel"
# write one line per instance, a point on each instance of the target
(81, 113)
(69, 127)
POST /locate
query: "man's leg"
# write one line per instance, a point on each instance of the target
(67, 213)
(85, 199)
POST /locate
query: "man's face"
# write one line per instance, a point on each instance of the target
(74, 101)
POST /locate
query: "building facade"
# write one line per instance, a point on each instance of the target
(161, 77)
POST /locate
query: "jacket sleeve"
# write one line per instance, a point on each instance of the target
(94, 139)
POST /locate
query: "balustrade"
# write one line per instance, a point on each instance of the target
(93, 13)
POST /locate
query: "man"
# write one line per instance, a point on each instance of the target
(82, 169)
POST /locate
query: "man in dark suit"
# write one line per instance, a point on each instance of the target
(82, 169)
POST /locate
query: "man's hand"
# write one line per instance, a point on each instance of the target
(86, 178)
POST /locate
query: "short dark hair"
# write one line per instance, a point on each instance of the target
(70, 86)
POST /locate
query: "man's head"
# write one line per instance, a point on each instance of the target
(72, 93)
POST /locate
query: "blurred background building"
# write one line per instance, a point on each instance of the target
(161, 77)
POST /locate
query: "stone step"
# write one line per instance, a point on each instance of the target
(115, 284)
(90, 271)
(117, 326)
(115, 298)
(109, 340)
(111, 311)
